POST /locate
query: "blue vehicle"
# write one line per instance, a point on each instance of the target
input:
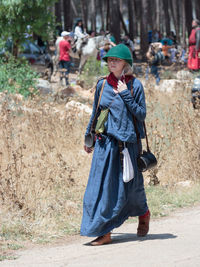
(32, 52)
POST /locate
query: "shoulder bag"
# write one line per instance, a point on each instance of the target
(90, 138)
(146, 159)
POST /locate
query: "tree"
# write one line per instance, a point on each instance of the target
(167, 17)
(67, 8)
(130, 18)
(84, 8)
(19, 18)
(58, 16)
(143, 27)
(115, 20)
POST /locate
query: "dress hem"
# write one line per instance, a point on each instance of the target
(113, 227)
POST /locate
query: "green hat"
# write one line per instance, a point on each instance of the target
(120, 51)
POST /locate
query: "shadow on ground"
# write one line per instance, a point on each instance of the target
(122, 238)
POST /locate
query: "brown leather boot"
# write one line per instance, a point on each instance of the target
(102, 240)
(143, 226)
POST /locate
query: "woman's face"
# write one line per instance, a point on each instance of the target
(116, 65)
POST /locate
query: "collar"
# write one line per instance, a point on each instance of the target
(112, 80)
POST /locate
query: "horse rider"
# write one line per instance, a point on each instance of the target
(81, 36)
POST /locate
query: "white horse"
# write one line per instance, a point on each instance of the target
(90, 48)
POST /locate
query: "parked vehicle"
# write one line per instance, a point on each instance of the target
(33, 53)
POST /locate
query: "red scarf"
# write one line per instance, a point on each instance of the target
(112, 80)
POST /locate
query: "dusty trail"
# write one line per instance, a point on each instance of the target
(172, 242)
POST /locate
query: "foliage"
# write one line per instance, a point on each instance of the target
(92, 71)
(16, 76)
(21, 18)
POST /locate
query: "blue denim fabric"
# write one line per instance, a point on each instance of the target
(154, 71)
(108, 201)
(65, 65)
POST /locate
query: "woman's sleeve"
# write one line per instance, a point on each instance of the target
(96, 97)
(136, 103)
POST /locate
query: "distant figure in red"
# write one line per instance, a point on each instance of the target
(64, 58)
(194, 46)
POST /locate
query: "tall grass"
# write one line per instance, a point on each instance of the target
(44, 169)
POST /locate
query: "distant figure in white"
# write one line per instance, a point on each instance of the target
(84, 45)
(80, 35)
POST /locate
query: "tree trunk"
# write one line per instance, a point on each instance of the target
(101, 7)
(108, 26)
(188, 14)
(58, 17)
(115, 20)
(130, 19)
(67, 10)
(143, 27)
(123, 23)
(174, 6)
(84, 13)
(167, 17)
(183, 11)
(134, 18)
(93, 15)
(74, 8)
(157, 28)
(150, 15)
(197, 9)
(15, 48)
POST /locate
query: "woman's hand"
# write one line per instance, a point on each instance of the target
(121, 86)
(88, 149)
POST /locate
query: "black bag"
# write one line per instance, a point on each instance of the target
(90, 140)
(146, 159)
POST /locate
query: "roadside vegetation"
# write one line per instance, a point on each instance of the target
(16, 76)
(44, 169)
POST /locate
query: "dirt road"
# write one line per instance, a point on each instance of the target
(172, 242)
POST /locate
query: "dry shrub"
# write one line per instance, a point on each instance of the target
(43, 165)
(174, 131)
(44, 169)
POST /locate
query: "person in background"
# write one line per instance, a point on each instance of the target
(155, 57)
(183, 55)
(173, 53)
(80, 35)
(194, 46)
(165, 50)
(79, 30)
(92, 33)
(103, 51)
(64, 57)
(172, 36)
(128, 42)
(108, 200)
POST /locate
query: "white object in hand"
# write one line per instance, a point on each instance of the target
(128, 171)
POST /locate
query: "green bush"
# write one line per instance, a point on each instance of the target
(16, 76)
(92, 71)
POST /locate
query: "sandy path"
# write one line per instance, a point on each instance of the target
(172, 241)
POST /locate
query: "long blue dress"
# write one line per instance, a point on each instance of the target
(108, 201)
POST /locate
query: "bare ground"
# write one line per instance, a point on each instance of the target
(172, 241)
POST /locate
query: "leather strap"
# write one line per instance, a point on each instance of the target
(101, 92)
(136, 129)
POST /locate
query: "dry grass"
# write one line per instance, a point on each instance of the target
(174, 130)
(44, 170)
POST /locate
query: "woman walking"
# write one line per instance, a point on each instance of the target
(108, 200)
